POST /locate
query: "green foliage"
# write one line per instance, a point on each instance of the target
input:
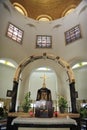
(26, 105)
(62, 102)
(3, 113)
(83, 112)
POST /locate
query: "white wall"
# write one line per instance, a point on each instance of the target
(6, 79)
(36, 82)
(32, 28)
(81, 82)
(56, 28)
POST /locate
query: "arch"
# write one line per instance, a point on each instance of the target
(58, 60)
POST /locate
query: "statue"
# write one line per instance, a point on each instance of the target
(44, 93)
(44, 101)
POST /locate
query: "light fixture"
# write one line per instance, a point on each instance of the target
(43, 69)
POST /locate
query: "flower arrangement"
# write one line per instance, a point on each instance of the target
(62, 102)
(26, 105)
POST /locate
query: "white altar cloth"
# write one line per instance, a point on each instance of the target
(46, 121)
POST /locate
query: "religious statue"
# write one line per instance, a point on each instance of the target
(44, 106)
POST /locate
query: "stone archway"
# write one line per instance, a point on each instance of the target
(58, 60)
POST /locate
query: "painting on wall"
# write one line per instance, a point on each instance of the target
(9, 93)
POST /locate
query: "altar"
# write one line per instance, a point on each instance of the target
(64, 120)
(43, 116)
(44, 123)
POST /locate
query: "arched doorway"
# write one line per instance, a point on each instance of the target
(44, 56)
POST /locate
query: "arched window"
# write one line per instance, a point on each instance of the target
(80, 64)
(68, 10)
(8, 63)
(20, 8)
(44, 18)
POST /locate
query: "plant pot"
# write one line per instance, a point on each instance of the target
(62, 109)
(25, 109)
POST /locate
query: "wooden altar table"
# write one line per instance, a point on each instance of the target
(44, 123)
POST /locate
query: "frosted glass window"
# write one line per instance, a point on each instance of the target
(43, 41)
(14, 33)
(73, 34)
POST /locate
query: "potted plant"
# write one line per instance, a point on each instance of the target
(62, 102)
(83, 112)
(26, 105)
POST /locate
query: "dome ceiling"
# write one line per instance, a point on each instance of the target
(53, 8)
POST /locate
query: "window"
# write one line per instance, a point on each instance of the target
(14, 33)
(44, 18)
(68, 10)
(8, 63)
(43, 41)
(73, 34)
(20, 8)
(81, 64)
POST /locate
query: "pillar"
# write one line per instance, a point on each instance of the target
(14, 96)
(73, 97)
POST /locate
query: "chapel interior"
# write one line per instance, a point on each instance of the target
(43, 46)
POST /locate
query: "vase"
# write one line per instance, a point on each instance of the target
(25, 109)
(62, 109)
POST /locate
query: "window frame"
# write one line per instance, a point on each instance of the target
(15, 33)
(73, 34)
(43, 41)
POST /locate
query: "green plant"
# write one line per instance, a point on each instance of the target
(26, 105)
(83, 112)
(62, 102)
(3, 112)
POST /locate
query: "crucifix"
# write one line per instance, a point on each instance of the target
(44, 101)
(44, 80)
(44, 93)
